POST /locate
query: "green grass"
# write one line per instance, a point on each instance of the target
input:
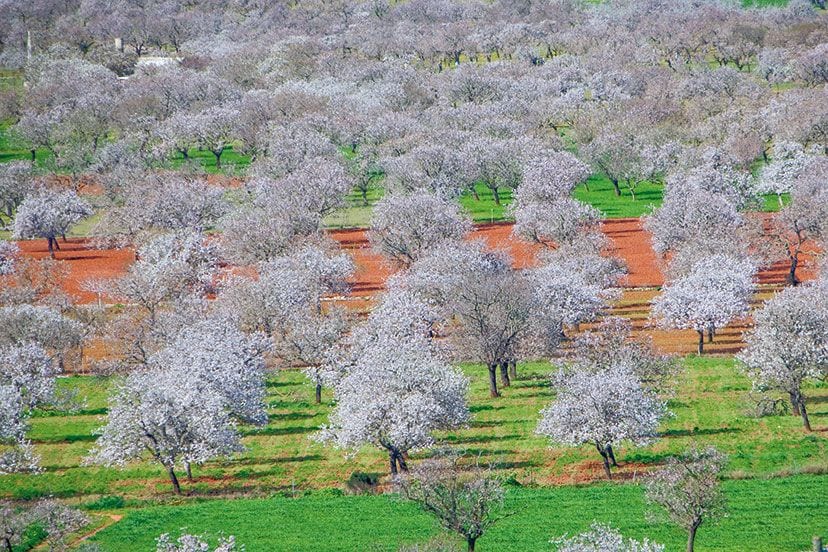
(485, 209)
(774, 514)
(709, 409)
(355, 214)
(601, 195)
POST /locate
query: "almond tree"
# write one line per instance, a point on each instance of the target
(404, 227)
(487, 306)
(601, 408)
(48, 515)
(194, 543)
(27, 381)
(15, 184)
(789, 343)
(603, 538)
(183, 409)
(467, 501)
(49, 215)
(689, 491)
(286, 303)
(394, 390)
(805, 219)
(8, 257)
(715, 292)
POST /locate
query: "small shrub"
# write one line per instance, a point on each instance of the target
(362, 483)
(106, 503)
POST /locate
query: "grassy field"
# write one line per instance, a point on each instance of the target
(709, 408)
(773, 514)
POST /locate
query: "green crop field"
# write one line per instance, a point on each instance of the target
(765, 514)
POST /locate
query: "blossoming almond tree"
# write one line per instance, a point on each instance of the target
(789, 343)
(602, 409)
(716, 291)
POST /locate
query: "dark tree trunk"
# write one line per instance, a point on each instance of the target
(493, 381)
(218, 158)
(794, 405)
(7, 544)
(392, 459)
(611, 454)
(791, 278)
(513, 370)
(34, 155)
(403, 465)
(496, 195)
(691, 537)
(616, 188)
(174, 480)
(710, 333)
(701, 341)
(318, 395)
(51, 247)
(605, 457)
(471, 541)
(803, 411)
(189, 469)
(504, 374)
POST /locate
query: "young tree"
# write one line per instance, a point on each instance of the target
(405, 227)
(789, 343)
(49, 215)
(602, 408)
(394, 390)
(603, 538)
(467, 501)
(689, 491)
(716, 291)
(15, 185)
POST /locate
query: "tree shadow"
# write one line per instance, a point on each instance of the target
(696, 432)
(270, 431)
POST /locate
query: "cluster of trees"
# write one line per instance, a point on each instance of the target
(430, 99)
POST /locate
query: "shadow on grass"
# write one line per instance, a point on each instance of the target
(479, 438)
(292, 430)
(696, 432)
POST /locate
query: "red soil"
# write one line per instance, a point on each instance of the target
(85, 264)
(628, 239)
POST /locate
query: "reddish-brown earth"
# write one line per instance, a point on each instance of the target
(628, 239)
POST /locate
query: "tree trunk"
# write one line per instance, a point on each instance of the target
(493, 381)
(392, 458)
(611, 454)
(34, 155)
(364, 196)
(403, 465)
(475, 195)
(504, 374)
(794, 405)
(710, 333)
(189, 469)
(691, 537)
(605, 458)
(218, 158)
(318, 396)
(701, 341)
(616, 188)
(174, 480)
(51, 247)
(803, 411)
(496, 195)
(7, 544)
(471, 541)
(513, 370)
(791, 279)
